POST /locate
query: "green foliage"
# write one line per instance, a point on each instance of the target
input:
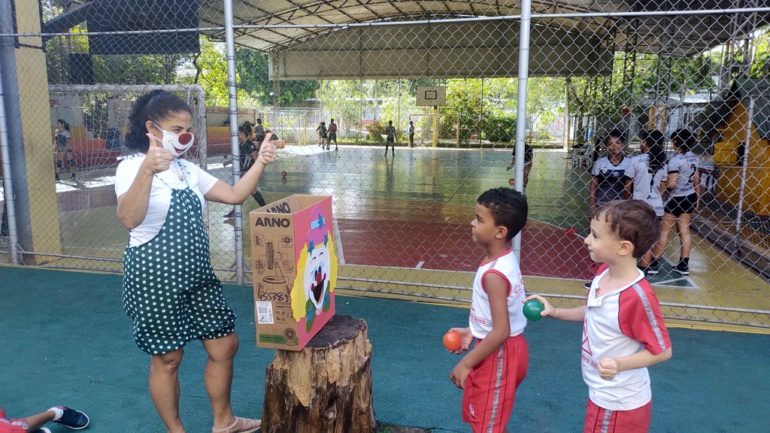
(253, 70)
(145, 69)
(464, 108)
(211, 73)
(341, 100)
(113, 69)
(377, 132)
(760, 68)
(499, 129)
(636, 77)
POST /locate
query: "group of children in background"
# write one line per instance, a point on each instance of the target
(327, 135)
(671, 187)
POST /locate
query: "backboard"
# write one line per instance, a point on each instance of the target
(431, 96)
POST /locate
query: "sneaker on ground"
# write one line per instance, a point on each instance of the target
(230, 214)
(682, 268)
(653, 269)
(587, 284)
(43, 430)
(73, 419)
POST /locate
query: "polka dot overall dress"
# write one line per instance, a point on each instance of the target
(169, 288)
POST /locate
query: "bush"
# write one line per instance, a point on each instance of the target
(377, 132)
(499, 129)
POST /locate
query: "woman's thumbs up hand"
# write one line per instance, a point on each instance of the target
(158, 159)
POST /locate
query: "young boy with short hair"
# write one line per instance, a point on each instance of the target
(623, 329)
(492, 371)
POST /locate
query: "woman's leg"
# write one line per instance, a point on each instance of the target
(259, 198)
(665, 228)
(164, 388)
(527, 168)
(71, 162)
(59, 163)
(683, 224)
(219, 377)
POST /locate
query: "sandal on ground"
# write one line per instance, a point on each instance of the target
(240, 425)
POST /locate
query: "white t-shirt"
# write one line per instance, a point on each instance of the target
(646, 183)
(609, 176)
(480, 320)
(199, 181)
(686, 164)
(619, 324)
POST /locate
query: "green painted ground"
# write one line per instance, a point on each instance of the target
(65, 340)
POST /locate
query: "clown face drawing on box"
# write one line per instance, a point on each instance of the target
(317, 272)
(310, 295)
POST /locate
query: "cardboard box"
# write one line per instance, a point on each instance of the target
(294, 268)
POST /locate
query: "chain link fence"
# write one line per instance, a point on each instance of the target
(402, 216)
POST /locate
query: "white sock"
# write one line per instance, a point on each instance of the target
(59, 411)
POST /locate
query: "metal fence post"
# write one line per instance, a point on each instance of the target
(521, 106)
(233, 112)
(8, 195)
(744, 168)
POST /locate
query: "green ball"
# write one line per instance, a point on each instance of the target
(532, 310)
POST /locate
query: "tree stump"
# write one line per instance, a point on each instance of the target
(324, 388)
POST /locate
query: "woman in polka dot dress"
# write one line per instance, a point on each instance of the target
(169, 289)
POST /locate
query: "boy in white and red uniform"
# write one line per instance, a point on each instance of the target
(623, 329)
(492, 371)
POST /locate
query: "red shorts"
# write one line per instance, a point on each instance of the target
(600, 420)
(490, 388)
(12, 425)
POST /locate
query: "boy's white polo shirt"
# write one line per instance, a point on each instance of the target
(619, 324)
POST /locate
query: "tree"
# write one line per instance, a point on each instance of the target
(760, 67)
(62, 51)
(341, 99)
(253, 69)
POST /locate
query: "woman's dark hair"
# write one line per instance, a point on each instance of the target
(248, 128)
(64, 124)
(155, 106)
(243, 130)
(615, 133)
(656, 142)
(683, 140)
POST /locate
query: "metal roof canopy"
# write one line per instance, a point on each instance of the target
(570, 45)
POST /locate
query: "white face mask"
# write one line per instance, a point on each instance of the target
(176, 144)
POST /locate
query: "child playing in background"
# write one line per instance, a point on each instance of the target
(623, 329)
(492, 371)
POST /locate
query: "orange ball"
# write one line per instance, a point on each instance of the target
(452, 341)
